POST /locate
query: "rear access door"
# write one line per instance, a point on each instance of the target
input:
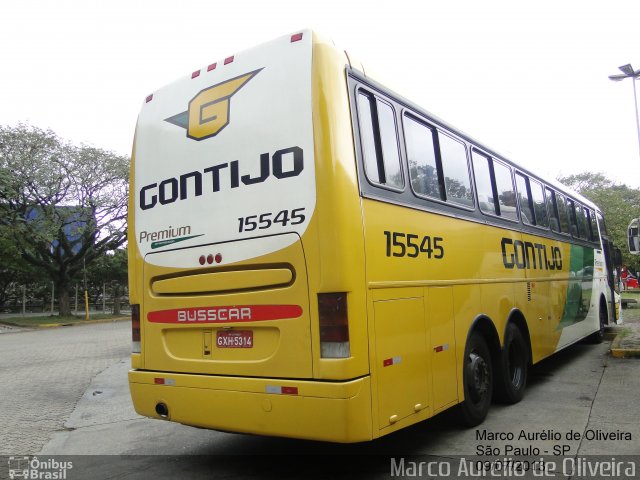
(248, 319)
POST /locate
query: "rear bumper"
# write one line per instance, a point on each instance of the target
(328, 411)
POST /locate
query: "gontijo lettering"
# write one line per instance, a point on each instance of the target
(536, 256)
(191, 183)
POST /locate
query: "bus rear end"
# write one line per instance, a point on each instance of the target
(223, 194)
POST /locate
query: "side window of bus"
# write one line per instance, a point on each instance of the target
(505, 191)
(379, 142)
(603, 227)
(583, 222)
(455, 171)
(552, 209)
(594, 225)
(496, 195)
(421, 156)
(524, 199)
(573, 221)
(484, 185)
(539, 206)
(563, 213)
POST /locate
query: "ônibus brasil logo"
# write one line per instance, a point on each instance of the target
(209, 110)
(34, 468)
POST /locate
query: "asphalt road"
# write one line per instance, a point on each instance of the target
(44, 372)
(67, 394)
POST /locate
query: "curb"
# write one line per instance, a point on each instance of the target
(623, 352)
(83, 322)
(68, 324)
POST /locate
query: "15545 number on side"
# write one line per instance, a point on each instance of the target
(400, 244)
(269, 219)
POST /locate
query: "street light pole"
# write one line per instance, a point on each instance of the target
(629, 72)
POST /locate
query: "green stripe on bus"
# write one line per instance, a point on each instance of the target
(576, 306)
(164, 243)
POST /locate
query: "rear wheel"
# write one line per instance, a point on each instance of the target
(478, 381)
(598, 336)
(511, 374)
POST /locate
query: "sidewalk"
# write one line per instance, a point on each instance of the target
(11, 323)
(627, 336)
(10, 329)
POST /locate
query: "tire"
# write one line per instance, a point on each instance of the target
(598, 337)
(477, 381)
(511, 374)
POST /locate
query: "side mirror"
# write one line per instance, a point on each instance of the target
(633, 236)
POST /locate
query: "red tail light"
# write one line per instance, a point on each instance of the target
(334, 325)
(135, 328)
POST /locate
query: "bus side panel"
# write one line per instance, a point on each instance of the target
(578, 316)
(334, 243)
(442, 347)
(401, 352)
(562, 304)
(539, 319)
(133, 256)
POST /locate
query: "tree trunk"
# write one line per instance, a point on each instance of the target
(64, 305)
(116, 306)
(116, 299)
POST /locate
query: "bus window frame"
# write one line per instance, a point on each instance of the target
(408, 114)
(573, 218)
(550, 200)
(527, 187)
(566, 212)
(496, 202)
(580, 212)
(408, 198)
(602, 226)
(436, 131)
(450, 135)
(513, 188)
(593, 226)
(376, 97)
(529, 178)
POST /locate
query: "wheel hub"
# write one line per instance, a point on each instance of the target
(479, 377)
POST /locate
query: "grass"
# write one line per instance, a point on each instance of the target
(37, 321)
(624, 333)
(630, 293)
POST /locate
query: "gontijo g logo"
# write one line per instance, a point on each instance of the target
(209, 110)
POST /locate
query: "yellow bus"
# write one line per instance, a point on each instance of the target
(313, 256)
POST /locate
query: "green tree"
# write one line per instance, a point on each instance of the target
(111, 269)
(61, 205)
(14, 275)
(619, 203)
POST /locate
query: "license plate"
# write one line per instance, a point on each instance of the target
(235, 339)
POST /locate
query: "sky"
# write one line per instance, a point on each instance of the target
(527, 79)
